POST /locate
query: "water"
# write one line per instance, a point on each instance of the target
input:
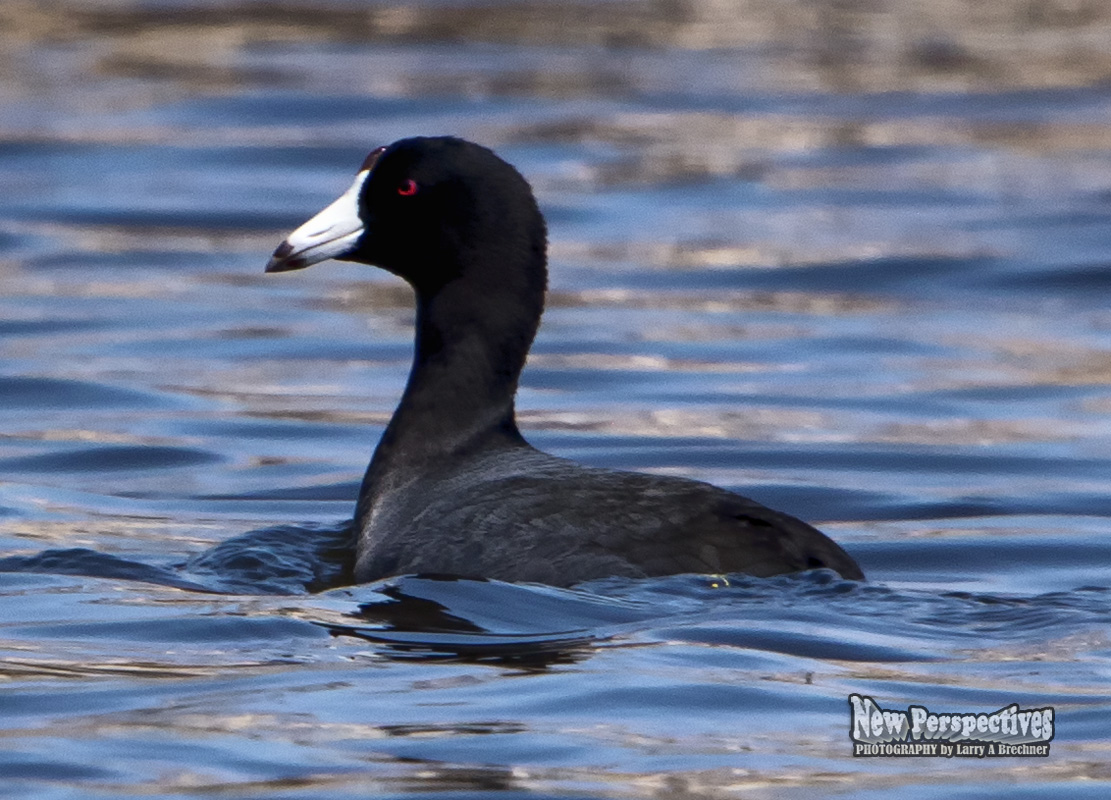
(850, 261)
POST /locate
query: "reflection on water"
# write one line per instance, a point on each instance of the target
(849, 258)
(959, 45)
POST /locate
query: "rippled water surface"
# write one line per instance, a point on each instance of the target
(851, 260)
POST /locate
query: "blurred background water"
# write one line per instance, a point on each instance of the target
(849, 257)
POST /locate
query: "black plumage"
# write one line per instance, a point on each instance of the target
(453, 486)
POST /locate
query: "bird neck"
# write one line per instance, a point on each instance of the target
(471, 345)
(468, 356)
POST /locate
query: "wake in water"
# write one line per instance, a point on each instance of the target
(815, 614)
(285, 559)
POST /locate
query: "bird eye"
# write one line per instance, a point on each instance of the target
(408, 188)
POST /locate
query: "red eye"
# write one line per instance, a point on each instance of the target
(408, 188)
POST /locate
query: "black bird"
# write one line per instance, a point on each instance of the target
(453, 487)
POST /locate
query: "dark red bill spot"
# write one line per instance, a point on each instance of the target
(282, 261)
(372, 159)
(408, 188)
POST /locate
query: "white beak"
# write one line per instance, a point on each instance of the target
(332, 233)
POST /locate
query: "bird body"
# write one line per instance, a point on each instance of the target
(515, 513)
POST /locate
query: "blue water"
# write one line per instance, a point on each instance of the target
(872, 294)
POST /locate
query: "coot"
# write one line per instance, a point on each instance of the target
(453, 487)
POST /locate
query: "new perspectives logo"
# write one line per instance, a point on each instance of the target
(1010, 731)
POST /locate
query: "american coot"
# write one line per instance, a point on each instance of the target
(453, 487)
